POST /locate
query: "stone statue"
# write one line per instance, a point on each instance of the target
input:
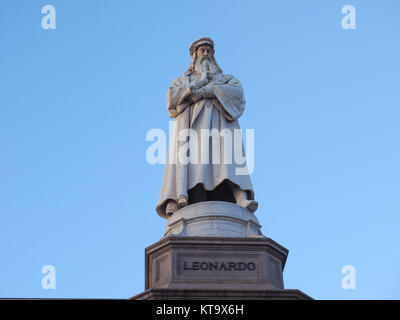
(212, 247)
(202, 102)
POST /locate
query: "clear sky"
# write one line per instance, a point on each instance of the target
(76, 103)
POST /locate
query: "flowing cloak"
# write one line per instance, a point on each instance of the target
(220, 113)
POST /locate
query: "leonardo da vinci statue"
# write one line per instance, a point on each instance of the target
(205, 104)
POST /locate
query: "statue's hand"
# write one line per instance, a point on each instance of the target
(196, 95)
(205, 92)
(208, 91)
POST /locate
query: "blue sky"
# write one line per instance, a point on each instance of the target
(76, 103)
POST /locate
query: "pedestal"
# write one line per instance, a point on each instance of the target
(186, 264)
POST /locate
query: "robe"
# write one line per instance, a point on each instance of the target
(219, 113)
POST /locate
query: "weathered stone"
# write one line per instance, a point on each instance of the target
(212, 267)
(203, 152)
(213, 219)
(213, 247)
(204, 294)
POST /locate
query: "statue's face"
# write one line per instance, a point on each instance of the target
(204, 51)
(204, 62)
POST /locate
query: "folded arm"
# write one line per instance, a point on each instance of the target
(230, 97)
(178, 97)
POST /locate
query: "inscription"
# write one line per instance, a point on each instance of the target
(219, 266)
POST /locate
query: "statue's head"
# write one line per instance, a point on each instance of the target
(203, 60)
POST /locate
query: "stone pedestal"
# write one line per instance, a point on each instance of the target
(213, 219)
(215, 250)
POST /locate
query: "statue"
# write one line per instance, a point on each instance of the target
(204, 100)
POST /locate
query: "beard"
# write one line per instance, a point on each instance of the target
(206, 68)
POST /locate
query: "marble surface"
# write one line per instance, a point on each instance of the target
(213, 219)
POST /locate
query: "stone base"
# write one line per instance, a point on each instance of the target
(213, 219)
(216, 268)
(176, 294)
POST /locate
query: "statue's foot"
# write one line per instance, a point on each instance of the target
(182, 202)
(172, 206)
(251, 205)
